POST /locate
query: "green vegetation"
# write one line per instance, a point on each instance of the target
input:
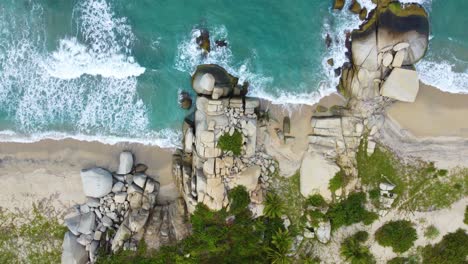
(239, 198)
(466, 216)
(431, 232)
(452, 249)
(350, 211)
(413, 259)
(30, 237)
(400, 235)
(338, 181)
(274, 207)
(215, 240)
(316, 200)
(281, 244)
(354, 252)
(419, 186)
(231, 143)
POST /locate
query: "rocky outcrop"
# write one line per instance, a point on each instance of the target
(210, 79)
(402, 84)
(115, 213)
(73, 252)
(395, 36)
(97, 182)
(202, 170)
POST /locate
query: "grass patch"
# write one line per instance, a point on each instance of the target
(431, 232)
(338, 181)
(231, 143)
(31, 237)
(399, 235)
(419, 186)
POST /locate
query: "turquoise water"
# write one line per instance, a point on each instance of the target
(111, 70)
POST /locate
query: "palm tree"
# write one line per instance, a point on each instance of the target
(355, 253)
(274, 207)
(281, 245)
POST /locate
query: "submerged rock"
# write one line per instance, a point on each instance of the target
(339, 4)
(221, 43)
(203, 40)
(185, 101)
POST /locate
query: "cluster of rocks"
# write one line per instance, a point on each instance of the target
(202, 170)
(384, 50)
(117, 208)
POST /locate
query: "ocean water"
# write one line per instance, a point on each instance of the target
(112, 70)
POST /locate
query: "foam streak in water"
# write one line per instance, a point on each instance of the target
(107, 51)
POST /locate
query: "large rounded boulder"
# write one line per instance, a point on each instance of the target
(97, 182)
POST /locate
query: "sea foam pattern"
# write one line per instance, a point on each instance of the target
(40, 94)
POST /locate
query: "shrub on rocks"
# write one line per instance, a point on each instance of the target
(231, 143)
(239, 199)
(400, 235)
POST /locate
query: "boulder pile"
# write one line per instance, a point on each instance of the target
(117, 208)
(384, 50)
(202, 170)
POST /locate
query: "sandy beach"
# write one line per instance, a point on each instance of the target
(434, 114)
(49, 170)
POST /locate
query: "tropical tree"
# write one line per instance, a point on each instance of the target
(355, 253)
(274, 207)
(280, 246)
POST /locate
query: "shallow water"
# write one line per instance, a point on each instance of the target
(111, 70)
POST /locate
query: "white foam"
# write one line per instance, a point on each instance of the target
(107, 51)
(442, 75)
(166, 138)
(73, 59)
(92, 108)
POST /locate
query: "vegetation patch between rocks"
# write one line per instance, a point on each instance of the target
(419, 186)
(231, 143)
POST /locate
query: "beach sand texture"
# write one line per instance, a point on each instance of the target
(433, 114)
(49, 170)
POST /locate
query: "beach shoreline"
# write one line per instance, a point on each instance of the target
(48, 171)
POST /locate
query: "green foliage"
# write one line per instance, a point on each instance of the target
(231, 143)
(281, 242)
(30, 237)
(414, 259)
(350, 211)
(466, 216)
(338, 181)
(400, 235)
(239, 199)
(431, 232)
(419, 185)
(274, 206)
(451, 249)
(374, 194)
(316, 200)
(361, 236)
(354, 252)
